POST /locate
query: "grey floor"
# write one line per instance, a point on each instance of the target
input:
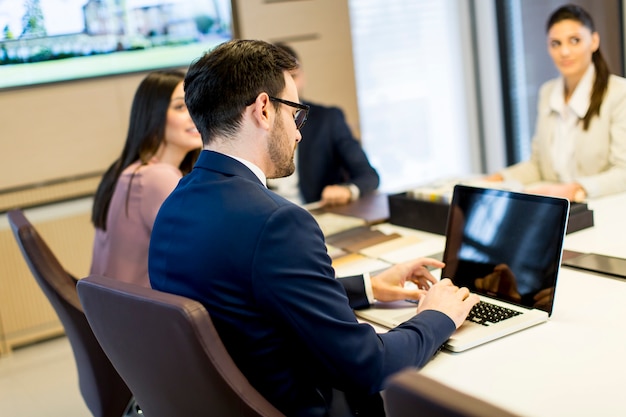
(41, 380)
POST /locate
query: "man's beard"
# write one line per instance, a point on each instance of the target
(279, 152)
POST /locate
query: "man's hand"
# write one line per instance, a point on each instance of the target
(336, 195)
(449, 299)
(389, 284)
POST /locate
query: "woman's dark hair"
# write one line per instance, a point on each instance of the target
(223, 82)
(146, 131)
(600, 84)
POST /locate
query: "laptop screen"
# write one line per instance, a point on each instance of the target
(505, 245)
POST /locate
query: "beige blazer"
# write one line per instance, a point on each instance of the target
(600, 152)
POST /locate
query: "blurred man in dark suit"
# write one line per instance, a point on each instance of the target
(331, 165)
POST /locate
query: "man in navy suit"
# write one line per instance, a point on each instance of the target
(331, 165)
(258, 262)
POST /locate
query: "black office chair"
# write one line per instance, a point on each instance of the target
(103, 390)
(410, 393)
(167, 350)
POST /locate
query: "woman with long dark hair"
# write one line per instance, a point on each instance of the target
(161, 146)
(579, 147)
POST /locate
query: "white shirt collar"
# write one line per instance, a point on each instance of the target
(580, 99)
(255, 169)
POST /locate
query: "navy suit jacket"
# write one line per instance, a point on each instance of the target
(259, 265)
(328, 154)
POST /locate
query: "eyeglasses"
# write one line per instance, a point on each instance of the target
(301, 113)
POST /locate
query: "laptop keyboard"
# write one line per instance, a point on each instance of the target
(487, 314)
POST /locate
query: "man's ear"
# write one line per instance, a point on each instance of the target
(263, 111)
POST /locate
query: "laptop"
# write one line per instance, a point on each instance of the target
(504, 246)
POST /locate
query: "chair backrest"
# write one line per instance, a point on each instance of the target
(168, 351)
(103, 390)
(410, 393)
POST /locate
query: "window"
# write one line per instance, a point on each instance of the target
(415, 88)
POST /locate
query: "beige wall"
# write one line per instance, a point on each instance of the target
(61, 130)
(74, 128)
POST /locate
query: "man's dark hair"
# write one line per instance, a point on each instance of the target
(223, 82)
(288, 49)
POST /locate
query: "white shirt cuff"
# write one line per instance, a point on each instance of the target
(369, 292)
(355, 193)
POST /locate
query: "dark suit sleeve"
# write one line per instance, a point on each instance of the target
(295, 285)
(355, 290)
(354, 160)
(329, 154)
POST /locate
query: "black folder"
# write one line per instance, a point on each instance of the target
(602, 264)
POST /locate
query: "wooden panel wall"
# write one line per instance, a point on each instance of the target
(75, 128)
(63, 130)
(319, 30)
(25, 313)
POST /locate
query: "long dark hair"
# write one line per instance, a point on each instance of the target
(146, 132)
(600, 84)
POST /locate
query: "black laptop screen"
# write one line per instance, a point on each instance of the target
(505, 244)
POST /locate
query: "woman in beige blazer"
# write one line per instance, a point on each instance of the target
(579, 147)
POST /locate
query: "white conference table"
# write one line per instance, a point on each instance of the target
(573, 365)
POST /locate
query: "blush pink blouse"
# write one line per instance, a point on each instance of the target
(121, 251)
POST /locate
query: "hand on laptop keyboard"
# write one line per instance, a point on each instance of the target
(449, 299)
(389, 285)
